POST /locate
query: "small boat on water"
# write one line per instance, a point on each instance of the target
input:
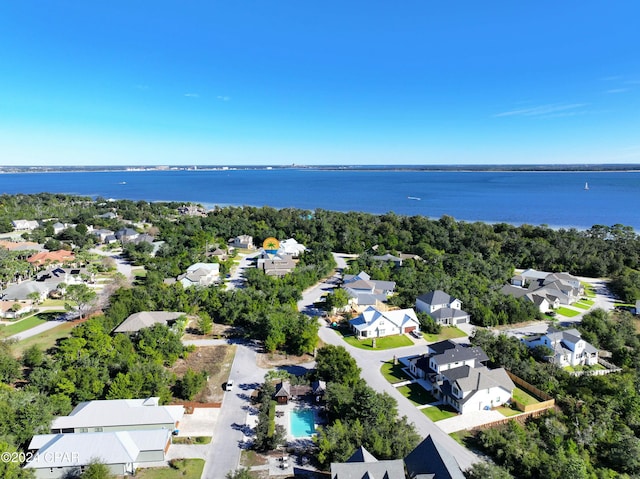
(586, 185)
(122, 183)
(413, 198)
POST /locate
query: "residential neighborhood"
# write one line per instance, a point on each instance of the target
(166, 359)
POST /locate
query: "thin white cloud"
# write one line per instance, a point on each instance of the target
(617, 90)
(223, 98)
(192, 95)
(543, 110)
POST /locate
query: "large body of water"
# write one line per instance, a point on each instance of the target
(557, 199)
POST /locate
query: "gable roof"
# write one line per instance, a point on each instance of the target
(448, 313)
(431, 457)
(118, 447)
(460, 353)
(436, 297)
(363, 465)
(22, 290)
(119, 412)
(146, 319)
(397, 317)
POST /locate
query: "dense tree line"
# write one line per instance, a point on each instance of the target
(595, 431)
(357, 415)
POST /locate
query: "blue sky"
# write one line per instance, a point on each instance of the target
(282, 82)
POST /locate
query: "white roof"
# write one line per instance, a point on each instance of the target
(119, 412)
(121, 447)
(399, 317)
(291, 246)
(205, 266)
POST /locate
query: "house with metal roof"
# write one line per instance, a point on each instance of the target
(373, 323)
(60, 455)
(567, 347)
(119, 415)
(442, 307)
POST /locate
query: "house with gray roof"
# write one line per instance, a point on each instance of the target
(24, 225)
(61, 455)
(118, 415)
(364, 291)
(443, 308)
(146, 319)
(431, 460)
(22, 291)
(200, 274)
(546, 290)
(126, 235)
(363, 465)
(460, 378)
(567, 347)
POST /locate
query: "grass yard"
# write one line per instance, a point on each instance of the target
(569, 313)
(573, 369)
(179, 469)
(507, 411)
(523, 397)
(386, 342)
(250, 458)
(393, 372)
(448, 332)
(57, 303)
(20, 326)
(416, 394)
(44, 340)
(192, 440)
(462, 437)
(587, 301)
(589, 291)
(581, 305)
(438, 413)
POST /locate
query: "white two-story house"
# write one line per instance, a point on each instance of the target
(442, 307)
(375, 324)
(568, 348)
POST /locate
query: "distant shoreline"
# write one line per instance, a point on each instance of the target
(529, 168)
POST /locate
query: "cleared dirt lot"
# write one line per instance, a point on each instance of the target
(216, 361)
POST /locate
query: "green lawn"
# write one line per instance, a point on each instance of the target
(54, 302)
(507, 411)
(523, 397)
(587, 301)
(588, 290)
(179, 469)
(448, 332)
(44, 340)
(580, 305)
(416, 394)
(438, 413)
(191, 440)
(393, 372)
(20, 326)
(569, 313)
(386, 342)
(595, 367)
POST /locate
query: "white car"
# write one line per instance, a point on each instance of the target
(229, 385)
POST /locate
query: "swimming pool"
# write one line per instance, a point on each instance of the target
(301, 423)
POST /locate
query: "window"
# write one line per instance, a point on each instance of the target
(84, 429)
(97, 429)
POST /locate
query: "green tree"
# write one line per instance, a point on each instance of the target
(335, 364)
(81, 298)
(205, 323)
(242, 473)
(96, 470)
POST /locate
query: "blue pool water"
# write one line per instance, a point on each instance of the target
(302, 423)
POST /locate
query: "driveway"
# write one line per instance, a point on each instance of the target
(228, 437)
(236, 278)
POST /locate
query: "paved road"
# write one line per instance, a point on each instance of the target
(224, 452)
(236, 279)
(370, 363)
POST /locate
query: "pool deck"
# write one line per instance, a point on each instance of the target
(283, 418)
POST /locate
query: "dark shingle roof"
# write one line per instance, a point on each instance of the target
(431, 457)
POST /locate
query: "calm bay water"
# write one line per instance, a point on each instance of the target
(557, 199)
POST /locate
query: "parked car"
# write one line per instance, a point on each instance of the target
(416, 334)
(229, 385)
